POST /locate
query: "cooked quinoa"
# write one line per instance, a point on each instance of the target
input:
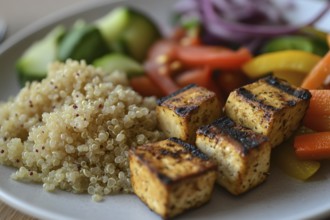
(72, 130)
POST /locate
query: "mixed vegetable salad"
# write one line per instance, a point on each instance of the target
(217, 44)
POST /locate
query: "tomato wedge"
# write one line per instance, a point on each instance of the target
(161, 78)
(230, 80)
(213, 56)
(159, 65)
(186, 37)
(145, 87)
(163, 48)
(200, 76)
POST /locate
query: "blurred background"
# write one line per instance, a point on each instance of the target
(19, 14)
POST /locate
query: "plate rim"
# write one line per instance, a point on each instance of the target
(28, 209)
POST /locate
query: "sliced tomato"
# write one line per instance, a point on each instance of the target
(186, 37)
(159, 65)
(230, 80)
(163, 47)
(168, 60)
(200, 76)
(163, 58)
(213, 56)
(160, 78)
(145, 87)
(177, 34)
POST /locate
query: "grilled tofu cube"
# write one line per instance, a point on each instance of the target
(269, 106)
(171, 176)
(181, 113)
(242, 155)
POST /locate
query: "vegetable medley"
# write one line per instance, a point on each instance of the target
(217, 44)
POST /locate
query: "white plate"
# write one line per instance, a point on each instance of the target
(281, 197)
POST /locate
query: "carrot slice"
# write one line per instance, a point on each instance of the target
(315, 146)
(318, 114)
(317, 76)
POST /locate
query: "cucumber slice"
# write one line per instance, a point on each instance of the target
(320, 47)
(113, 24)
(83, 43)
(115, 61)
(33, 64)
(128, 31)
(140, 35)
(289, 42)
(119, 46)
(298, 43)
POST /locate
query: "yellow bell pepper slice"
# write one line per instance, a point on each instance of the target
(293, 77)
(288, 60)
(286, 159)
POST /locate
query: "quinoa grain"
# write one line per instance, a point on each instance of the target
(75, 130)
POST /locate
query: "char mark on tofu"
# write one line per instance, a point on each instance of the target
(190, 148)
(250, 97)
(269, 106)
(165, 98)
(242, 155)
(287, 88)
(175, 152)
(183, 112)
(171, 176)
(244, 136)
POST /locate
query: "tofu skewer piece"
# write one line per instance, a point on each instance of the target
(269, 106)
(242, 155)
(171, 176)
(183, 112)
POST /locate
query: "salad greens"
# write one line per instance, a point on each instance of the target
(124, 31)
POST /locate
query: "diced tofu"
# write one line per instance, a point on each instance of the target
(242, 155)
(171, 176)
(269, 106)
(181, 113)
